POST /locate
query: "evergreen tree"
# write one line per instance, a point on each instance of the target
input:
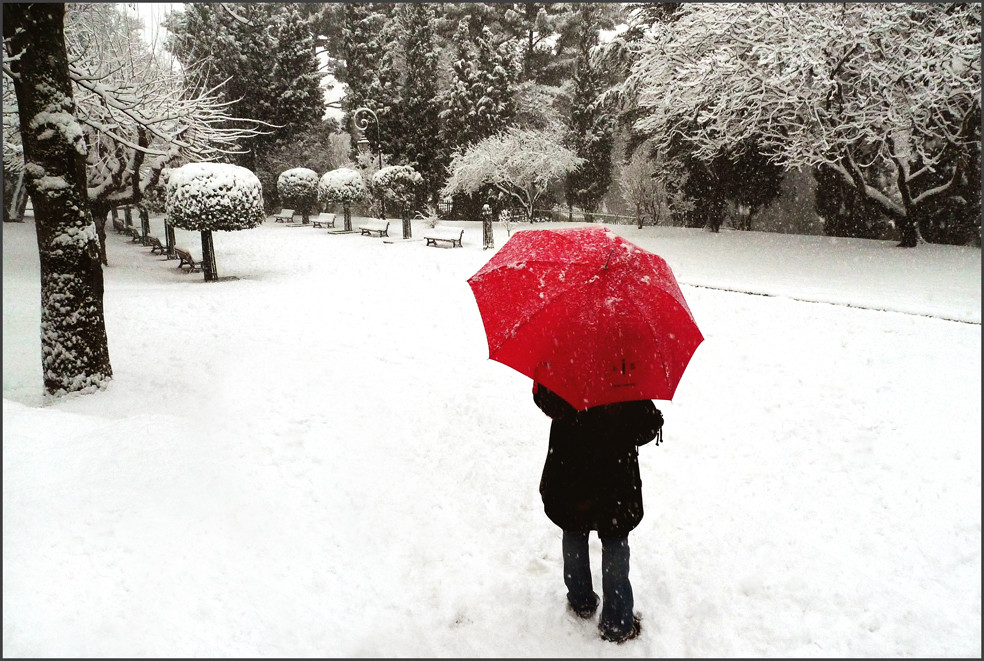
(749, 179)
(265, 52)
(370, 75)
(419, 109)
(534, 26)
(299, 97)
(590, 129)
(479, 100)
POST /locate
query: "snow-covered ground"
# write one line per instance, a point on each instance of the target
(315, 457)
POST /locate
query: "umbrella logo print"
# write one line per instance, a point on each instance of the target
(622, 374)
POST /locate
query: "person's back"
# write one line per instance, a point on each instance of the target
(590, 482)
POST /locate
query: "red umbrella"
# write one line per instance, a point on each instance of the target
(591, 316)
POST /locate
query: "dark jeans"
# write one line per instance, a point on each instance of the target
(616, 610)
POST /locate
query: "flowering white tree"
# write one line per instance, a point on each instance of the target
(298, 189)
(519, 162)
(213, 196)
(343, 186)
(862, 88)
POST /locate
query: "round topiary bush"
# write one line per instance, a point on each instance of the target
(298, 190)
(214, 196)
(344, 186)
(399, 184)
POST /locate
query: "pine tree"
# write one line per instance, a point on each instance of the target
(590, 129)
(480, 98)
(299, 98)
(421, 148)
(369, 75)
(264, 52)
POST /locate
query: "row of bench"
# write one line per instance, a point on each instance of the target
(442, 233)
(323, 219)
(380, 228)
(156, 247)
(446, 234)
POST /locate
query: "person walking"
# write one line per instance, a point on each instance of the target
(591, 482)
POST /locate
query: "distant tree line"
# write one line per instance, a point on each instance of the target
(676, 110)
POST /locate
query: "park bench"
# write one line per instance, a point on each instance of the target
(187, 259)
(324, 220)
(119, 226)
(135, 235)
(379, 226)
(284, 216)
(156, 247)
(452, 235)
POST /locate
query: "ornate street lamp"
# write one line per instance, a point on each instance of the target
(361, 119)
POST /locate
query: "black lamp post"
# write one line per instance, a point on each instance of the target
(361, 119)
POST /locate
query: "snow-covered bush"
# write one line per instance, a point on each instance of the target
(213, 196)
(343, 185)
(398, 184)
(298, 189)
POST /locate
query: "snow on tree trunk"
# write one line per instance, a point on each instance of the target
(18, 201)
(74, 347)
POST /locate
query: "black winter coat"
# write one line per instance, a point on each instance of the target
(591, 475)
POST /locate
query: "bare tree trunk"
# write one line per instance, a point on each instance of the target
(169, 239)
(18, 202)
(208, 257)
(74, 347)
(144, 220)
(99, 215)
(405, 217)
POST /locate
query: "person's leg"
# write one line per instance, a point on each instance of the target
(617, 621)
(577, 574)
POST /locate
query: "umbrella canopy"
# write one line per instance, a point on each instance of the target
(588, 314)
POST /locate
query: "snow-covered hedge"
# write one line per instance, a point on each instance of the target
(343, 185)
(298, 188)
(214, 196)
(397, 183)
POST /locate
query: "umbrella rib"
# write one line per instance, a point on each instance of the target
(654, 330)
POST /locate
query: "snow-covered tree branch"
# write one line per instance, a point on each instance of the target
(863, 88)
(520, 163)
